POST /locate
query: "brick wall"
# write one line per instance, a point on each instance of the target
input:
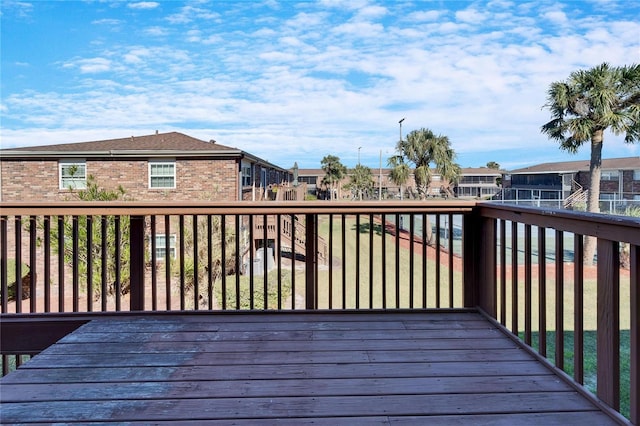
(629, 186)
(196, 179)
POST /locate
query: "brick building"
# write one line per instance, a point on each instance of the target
(163, 166)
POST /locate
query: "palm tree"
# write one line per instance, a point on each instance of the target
(583, 107)
(334, 171)
(422, 148)
(361, 181)
(400, 171)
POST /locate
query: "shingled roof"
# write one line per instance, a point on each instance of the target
(158, 142)
(627, 163)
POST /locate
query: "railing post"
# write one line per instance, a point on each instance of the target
(311, 259)
(479, 249)
(136, 263)
(487, 291)
(634, 269)
(470, 247)
(608, 322)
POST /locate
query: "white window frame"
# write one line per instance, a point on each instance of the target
(162, 163)
(78, 181)
(247, 174)
(610, 175)
(161, 246)
(636, 174)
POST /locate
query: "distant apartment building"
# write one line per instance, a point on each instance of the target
(564, 184)
(158, 167)
(480, 182)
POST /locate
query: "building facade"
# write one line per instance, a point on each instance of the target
(565, 184)
(479, 182)
(163, 166)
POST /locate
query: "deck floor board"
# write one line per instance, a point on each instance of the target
(322, 368)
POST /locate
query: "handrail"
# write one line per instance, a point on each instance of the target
(612, 227)
(232, 208)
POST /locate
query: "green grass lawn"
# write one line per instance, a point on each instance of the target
(590, 326)
(369, 277)
(590, 360)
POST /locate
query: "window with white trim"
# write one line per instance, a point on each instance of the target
(162, 246)
(162, 174)
(73, 174)
(610, 175)
(636, 174)
(247, 175)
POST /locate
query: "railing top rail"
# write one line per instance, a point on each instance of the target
(610, 227)
(267, 207)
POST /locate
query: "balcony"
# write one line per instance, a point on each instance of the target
(330, 313)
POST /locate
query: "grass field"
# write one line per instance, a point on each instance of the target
(361, 283)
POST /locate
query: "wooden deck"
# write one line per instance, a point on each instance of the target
(292, 368)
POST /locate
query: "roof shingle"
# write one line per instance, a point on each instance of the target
(172, 141)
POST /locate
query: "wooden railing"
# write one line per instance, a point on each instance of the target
(514, 264)
(533, 268)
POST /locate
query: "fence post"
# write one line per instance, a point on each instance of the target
(487, 280)
(634, 268)
(479, 257)
(311, 259)
(608, 320)
(470, 244)
(136, 263)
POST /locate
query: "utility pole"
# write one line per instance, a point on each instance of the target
(380, 189)
(400, 123)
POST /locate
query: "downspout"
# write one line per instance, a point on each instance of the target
(239, 180)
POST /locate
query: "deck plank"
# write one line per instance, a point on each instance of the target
(322, 368)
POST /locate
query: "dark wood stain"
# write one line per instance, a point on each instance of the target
(309, 368)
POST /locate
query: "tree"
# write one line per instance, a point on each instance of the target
(423, 148)
(334, 171)
(493, 165)
(87, 229)
(361, 181)
(583, 107)
(400, 171)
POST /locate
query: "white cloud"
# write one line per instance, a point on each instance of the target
(156, 31)
(107, 21)
(91, 65)
(316, 78)
(425, 16)
(556, 17)
(471, 16)
(143, 5)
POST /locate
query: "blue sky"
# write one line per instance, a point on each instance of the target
(297, 80)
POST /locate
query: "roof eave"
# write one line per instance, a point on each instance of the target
(120, 153)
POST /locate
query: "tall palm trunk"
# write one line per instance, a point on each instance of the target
(593, 200)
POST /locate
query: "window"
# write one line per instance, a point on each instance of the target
(73, 174)
(609, 175)
(636, 174)
(246, 175)
(162, 175)
(161, 246)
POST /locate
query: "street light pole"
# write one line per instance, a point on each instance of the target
(359, 148)
(380, 182)
(400, 123)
